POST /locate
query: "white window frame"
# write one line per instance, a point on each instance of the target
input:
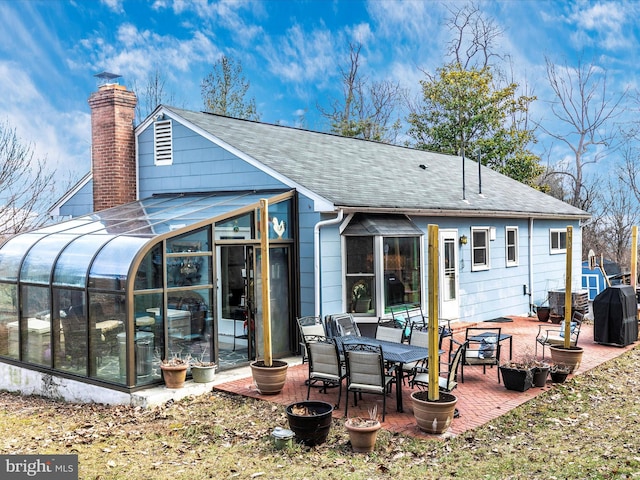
(162, 142)
(481, 266)
(555, 235)
(512, 262)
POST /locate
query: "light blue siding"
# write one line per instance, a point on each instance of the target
(199, 165)
(79, 204)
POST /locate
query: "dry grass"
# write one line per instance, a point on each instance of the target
(586, 428)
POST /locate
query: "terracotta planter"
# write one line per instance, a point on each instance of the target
(555, 318)
(363, 437)
(203, 373)
(310, 421)
(436, 416)
(571, 357)
(174, 375)
(269, 380)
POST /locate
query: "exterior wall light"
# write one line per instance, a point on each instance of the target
(463, 240)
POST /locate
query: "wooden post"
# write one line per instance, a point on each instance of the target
(634, 256)
(568, 298)
(432, 328)
(266, 280)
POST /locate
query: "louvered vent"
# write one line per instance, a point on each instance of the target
(162, 142)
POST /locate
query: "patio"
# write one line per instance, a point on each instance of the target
(480, 398)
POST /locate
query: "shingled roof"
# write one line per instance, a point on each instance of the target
(359, 174)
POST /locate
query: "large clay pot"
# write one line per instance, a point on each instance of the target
(310, 421)
(571, 357)
(363, 436)
(174, 375)
(543, 313)
(433, 416)
(269, 380)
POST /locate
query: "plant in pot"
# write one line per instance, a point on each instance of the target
(203, 371)
(363, 432)
(310, 421)
(269, 375)
(174, 370)
(559, 373)
(517, 374)
(433, 410)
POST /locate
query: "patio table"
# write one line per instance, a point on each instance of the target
(503, 336)
(398, 353)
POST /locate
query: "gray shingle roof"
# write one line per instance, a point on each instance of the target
(354, 173)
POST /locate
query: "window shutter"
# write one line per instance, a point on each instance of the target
(162, 142)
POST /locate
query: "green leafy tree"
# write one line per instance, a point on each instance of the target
(463, 113)
(224, 91)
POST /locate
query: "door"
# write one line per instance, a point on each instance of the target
(236, 325)
(449, 288)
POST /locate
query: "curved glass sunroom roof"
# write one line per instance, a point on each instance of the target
(106, 242)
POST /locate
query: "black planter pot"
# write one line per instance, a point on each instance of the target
(540, 375)
(559, 377)
(515, 379)
(312, 427)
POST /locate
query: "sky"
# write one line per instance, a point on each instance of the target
(290, 52)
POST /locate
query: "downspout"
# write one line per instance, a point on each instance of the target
(531, 266)
(316, 256)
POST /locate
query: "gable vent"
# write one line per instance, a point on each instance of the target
(162, 142)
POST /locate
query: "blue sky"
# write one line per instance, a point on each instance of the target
(290, 52)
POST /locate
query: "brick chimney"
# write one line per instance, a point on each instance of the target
(113, 161)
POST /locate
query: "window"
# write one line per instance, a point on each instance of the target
(558, 241)
(360, 274)
(511, 236)
(162, 142)
(479, 248)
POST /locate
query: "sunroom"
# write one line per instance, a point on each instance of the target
(101, 298)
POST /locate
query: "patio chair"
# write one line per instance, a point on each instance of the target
(346, 325)
(483, 348)
(309, 326)
(325, 365)
(366, 373)
(555, 336)
(448, 379)
(389, 334)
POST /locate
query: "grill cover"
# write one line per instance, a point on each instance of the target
(615, 316)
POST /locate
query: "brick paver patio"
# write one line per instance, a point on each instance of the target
(480, 398)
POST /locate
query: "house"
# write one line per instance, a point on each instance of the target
(159, 251)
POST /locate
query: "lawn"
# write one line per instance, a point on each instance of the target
(586, 428)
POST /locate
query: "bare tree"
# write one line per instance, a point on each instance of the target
(26, 186)
(474, 37)
(151, 95)
(586, 112)
(366, 109)
(224, 90)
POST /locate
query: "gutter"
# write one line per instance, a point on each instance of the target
(316, 256)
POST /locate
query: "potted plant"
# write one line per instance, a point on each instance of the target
(558, 373)
(363, 432)
(540, 374)
(310, 421)
(433, 410)
(174, 370)
(203, 371)
(269, 375)
(518, 374)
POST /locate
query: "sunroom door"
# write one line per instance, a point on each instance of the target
(449, 288)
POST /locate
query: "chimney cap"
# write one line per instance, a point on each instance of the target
(106, 77)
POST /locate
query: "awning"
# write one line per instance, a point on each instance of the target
(382, 224)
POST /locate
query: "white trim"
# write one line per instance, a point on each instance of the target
(559, 232)
(487, 264)
(321, 204)
(516, 261)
